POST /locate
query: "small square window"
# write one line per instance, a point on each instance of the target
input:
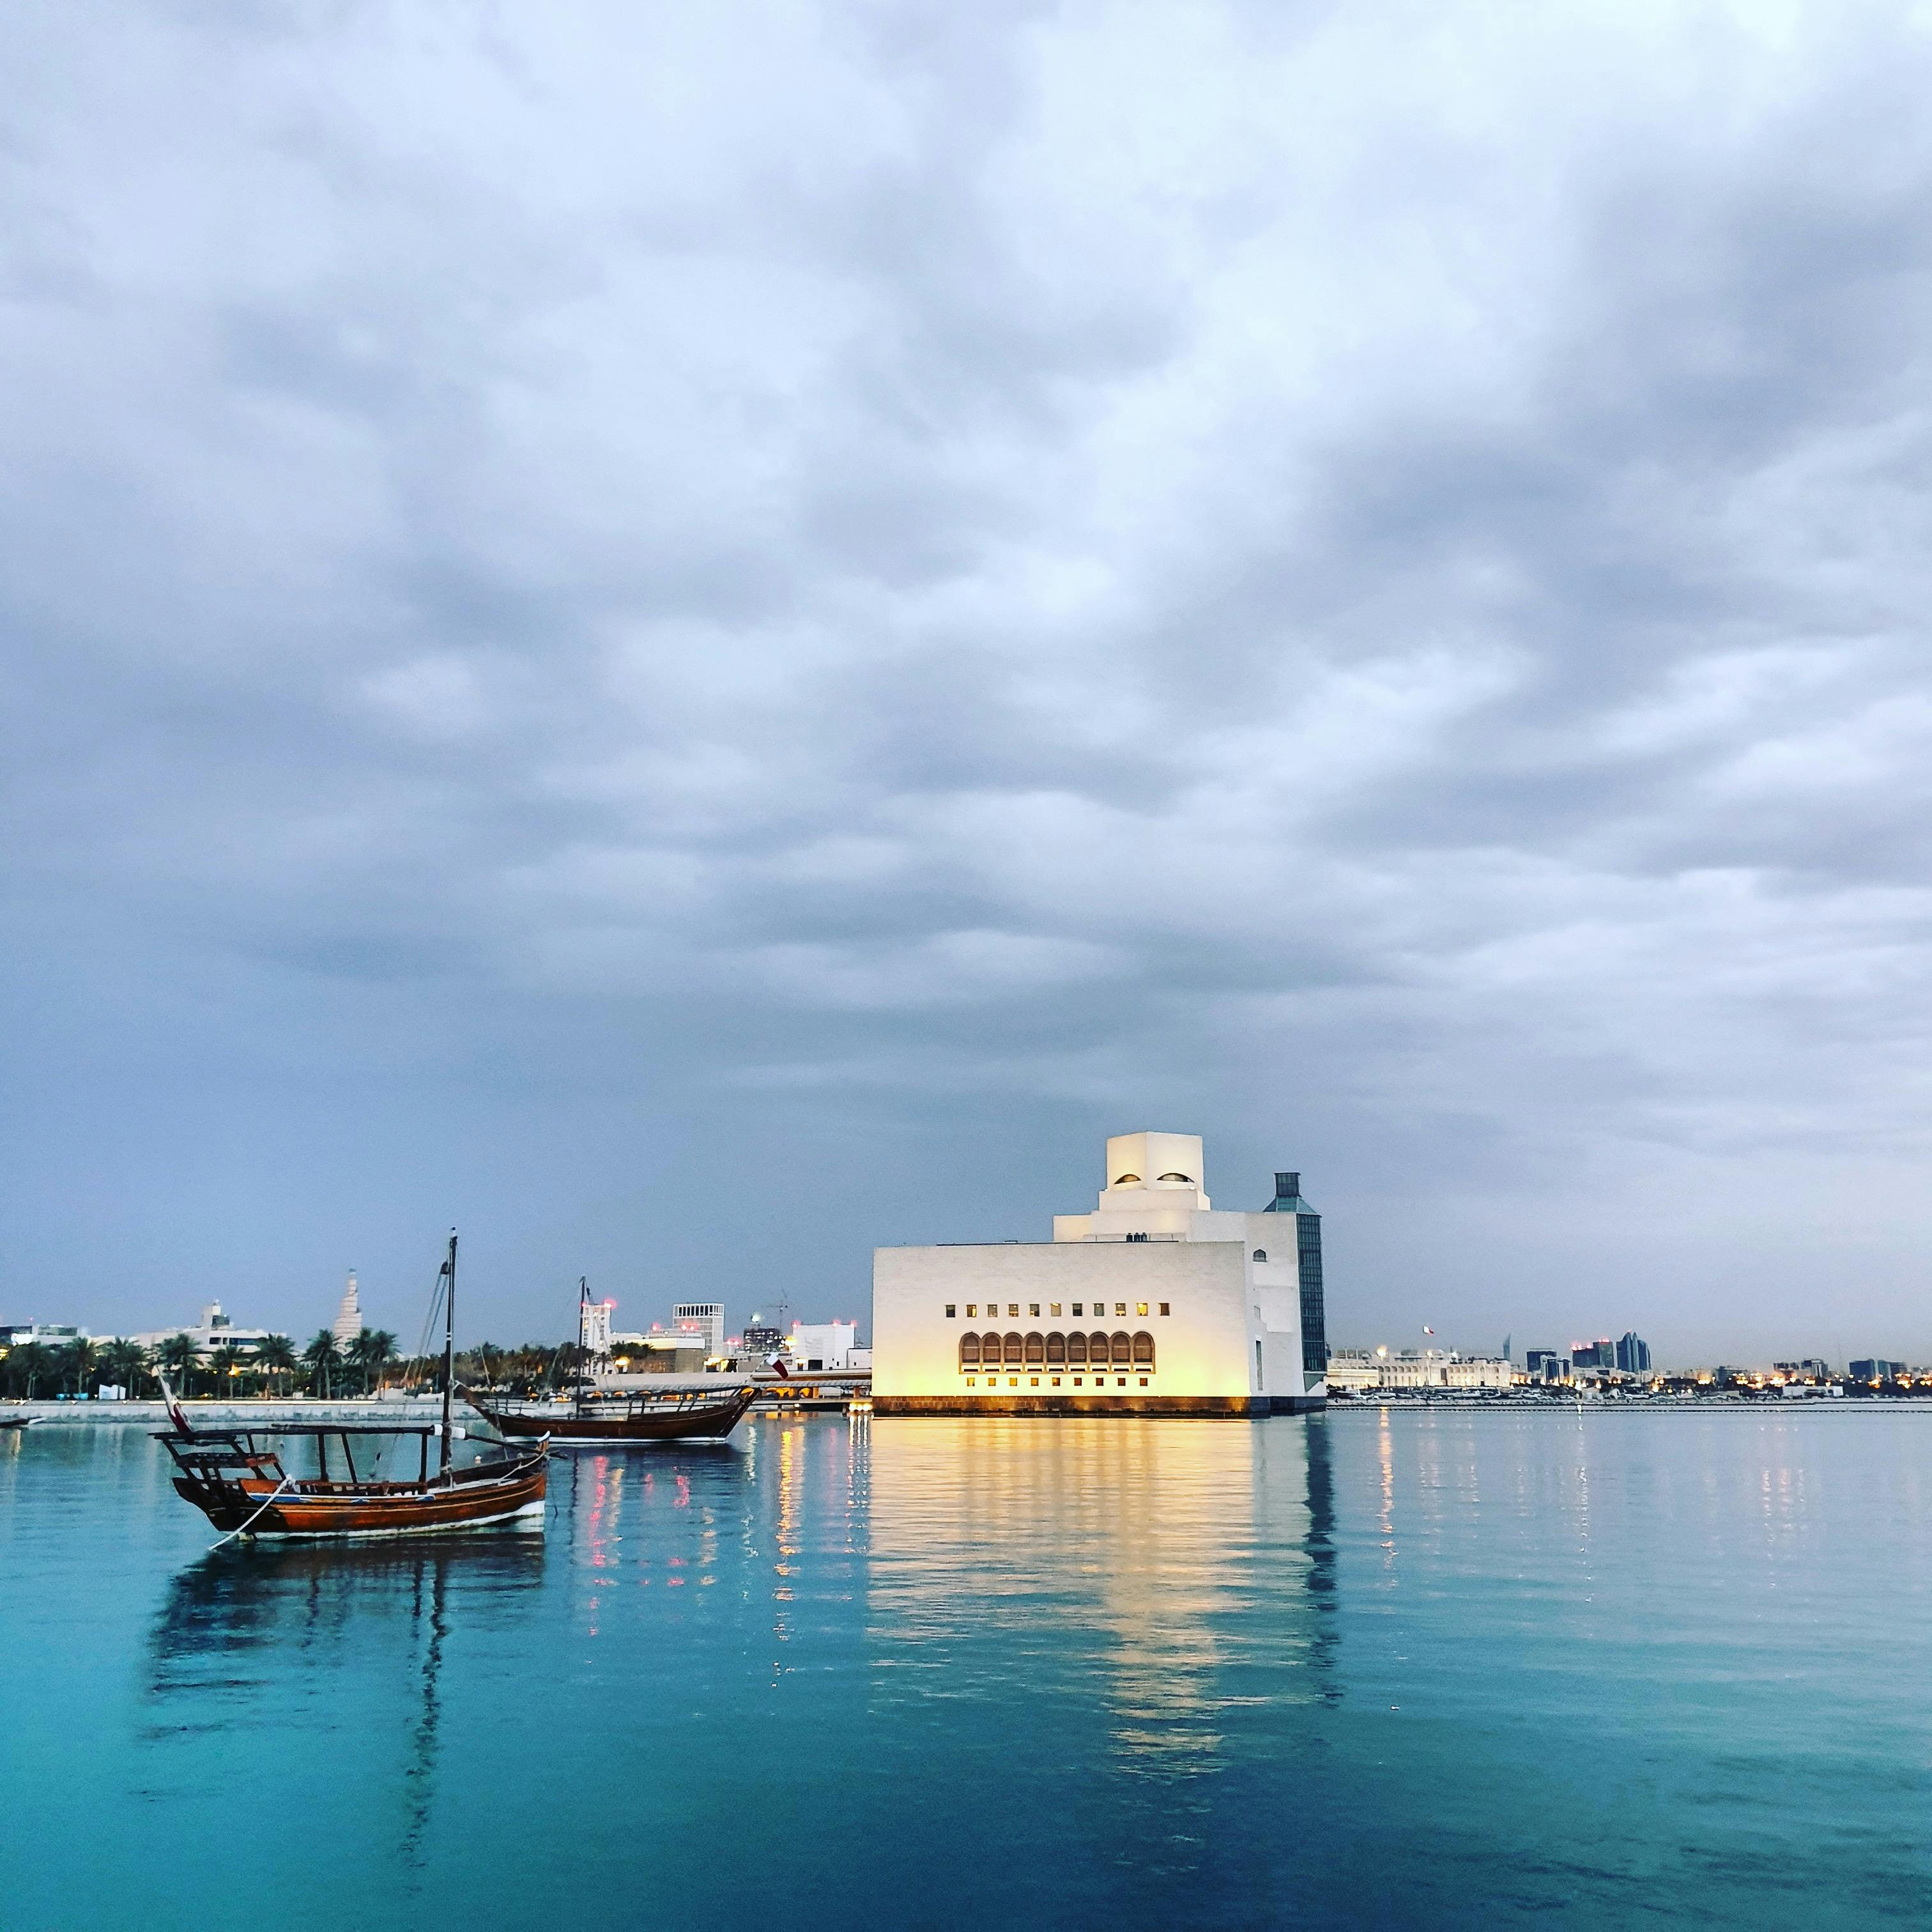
(1143, 1382)
(1056, 1382)
(1054, 1309)
(972, 1381)
(1164, 1309)
(1032, 1308)
(972, 1308)
(1121, 1381)
(1035, 1381)
(950, 1311)
(1079, 1381)
(1012, 1308)
(1140, 1308)
(1120, 1308)
(1076, 1308)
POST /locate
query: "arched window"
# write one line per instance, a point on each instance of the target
(1056, 1351)
(1015, 1350)
(969, 1352)
(1124, 1348)
(1035, 1350)
(1260, 1254)
(1143, 1350)
(1076, 1351)
(989, 1351)
(1188, 1178)
(1126, 1180)
(1096, 1350)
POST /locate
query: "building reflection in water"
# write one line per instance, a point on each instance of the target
(1165, 1572)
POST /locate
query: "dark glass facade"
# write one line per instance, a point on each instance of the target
(1314, 1314)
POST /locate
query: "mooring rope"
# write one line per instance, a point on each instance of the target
(234, 1533)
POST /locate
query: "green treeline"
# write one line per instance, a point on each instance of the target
(36, 1371)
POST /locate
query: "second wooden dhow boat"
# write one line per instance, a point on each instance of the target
(589, 1414)
(641, 1415)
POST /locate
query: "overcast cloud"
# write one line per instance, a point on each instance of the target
(702, 636)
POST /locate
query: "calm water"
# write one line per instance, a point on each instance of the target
(1419, 1670)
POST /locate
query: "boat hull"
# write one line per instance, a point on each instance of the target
(255, 1509)
(666, 1422)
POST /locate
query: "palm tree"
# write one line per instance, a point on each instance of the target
(78, 1361)
(179, 1356)
(226, 1362)
(277, 1356)
(30, 1362)
(124, 1363)
(322, 1356)
(381, 1352)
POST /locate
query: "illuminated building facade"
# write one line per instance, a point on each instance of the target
(1155, 1303)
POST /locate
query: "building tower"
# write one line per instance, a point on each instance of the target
(348, 1316)
(707, 1318)
(1308, 1269)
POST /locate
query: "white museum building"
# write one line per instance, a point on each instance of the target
(1156, 1303)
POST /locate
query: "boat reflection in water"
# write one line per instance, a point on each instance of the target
(251, 1645)
(1149, 1602)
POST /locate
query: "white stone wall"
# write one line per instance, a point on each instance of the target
(1203, 1347)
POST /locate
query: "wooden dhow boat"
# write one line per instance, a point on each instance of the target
(236, 1478)
(626, 1415)
(591, 1415)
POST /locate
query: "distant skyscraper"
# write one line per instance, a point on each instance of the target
(593, 1328)
(349, 1315)
(707, 1318)
(1633, 1355)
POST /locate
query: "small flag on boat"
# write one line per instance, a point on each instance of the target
(1427, 1330)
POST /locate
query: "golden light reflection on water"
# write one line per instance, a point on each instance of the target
(1167, 1569)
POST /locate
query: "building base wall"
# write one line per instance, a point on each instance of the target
(1237, 1405)
(1297, 1405)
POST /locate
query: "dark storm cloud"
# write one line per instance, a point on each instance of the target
(630, 622)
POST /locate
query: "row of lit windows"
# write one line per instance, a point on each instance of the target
(1033, 1382)
(1052, 1308)
(1120, 1351)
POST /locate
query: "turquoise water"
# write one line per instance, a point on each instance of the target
(1428, 1670)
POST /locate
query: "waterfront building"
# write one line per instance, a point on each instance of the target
(213, 1329)
(1364, 1371)
(664, 1352)
(48, 1334)
(1546, 1365)
(827, 1346)
(348, 1322)
(704, 1318)
(1875, 1369)
(760, 1341)
(1154, 1303)
(1353, 1371)
(1633, 1355)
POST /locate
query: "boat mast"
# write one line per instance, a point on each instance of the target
(582, 1339)
(449, 1351)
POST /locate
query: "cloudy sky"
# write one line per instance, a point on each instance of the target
(700, 638)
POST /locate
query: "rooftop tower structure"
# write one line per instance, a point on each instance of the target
(348, 1323)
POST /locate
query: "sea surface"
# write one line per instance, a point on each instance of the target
(1400, 1669)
